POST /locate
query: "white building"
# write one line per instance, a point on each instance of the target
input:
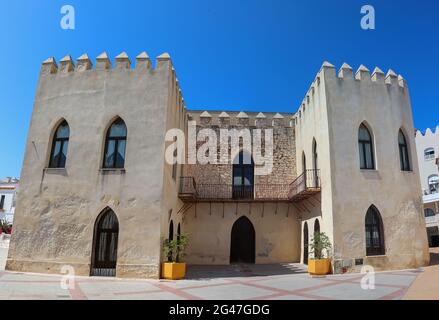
(8, 191)
(427, 146)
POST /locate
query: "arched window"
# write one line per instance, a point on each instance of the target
(433, 183)
(243, 176)
(60, 144)
(314, 155)
(374, 233)
(428, 212)
(115, 145)
(317, 226)
(303, 162)
(365, 146)
(429, 154)
(403, 152)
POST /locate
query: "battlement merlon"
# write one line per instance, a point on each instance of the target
(428, 132)
(103, 63)
(346, 74)
(241, 119)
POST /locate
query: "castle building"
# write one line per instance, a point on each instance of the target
(427, 146)
(97, 193)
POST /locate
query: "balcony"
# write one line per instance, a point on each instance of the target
(304, 186)
(192, 192)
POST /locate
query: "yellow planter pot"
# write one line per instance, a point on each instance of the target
(319, 267)
(173, 271)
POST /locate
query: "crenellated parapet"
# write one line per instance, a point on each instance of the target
(103, 62)
(122, 63)
(428, 133)
(346, 76)
(241, 119)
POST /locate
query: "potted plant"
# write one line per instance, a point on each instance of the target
(174, 269)
(320, 250)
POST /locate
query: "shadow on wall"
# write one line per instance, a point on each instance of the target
(198, 272)
(434, 256)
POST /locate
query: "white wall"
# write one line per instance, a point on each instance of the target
(427, 167)
(8, 206)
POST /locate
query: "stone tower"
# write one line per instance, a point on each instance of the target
(58, 208)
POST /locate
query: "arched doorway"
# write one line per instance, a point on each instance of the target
(106, 235)
(374, 233)
(242, 246)
(305, 243)
(171, 238)
(171, 231)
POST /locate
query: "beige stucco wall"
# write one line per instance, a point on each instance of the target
(57, 208)
(312, 125)
(277, 232)
(384, 105)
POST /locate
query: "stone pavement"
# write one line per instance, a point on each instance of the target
(426, 286)
(3, 256)
(229, 283)
(239, 282)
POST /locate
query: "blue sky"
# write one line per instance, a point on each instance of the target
(256, 55)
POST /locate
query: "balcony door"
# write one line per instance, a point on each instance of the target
(243, 176)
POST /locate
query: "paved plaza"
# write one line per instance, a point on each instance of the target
(289, 282)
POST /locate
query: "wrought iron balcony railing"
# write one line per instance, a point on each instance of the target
(305, 185)
(190, 191)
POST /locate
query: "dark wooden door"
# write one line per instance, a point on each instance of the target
(305, 243)
(242, 247)
(105, 246)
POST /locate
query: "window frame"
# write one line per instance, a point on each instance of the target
(174, 165)
(242, 190)
(429, 156)
(362, 149)
(429, 210)
(2, 201)
(403, 152)
(430, 184)
(117, 140)
(62, 141)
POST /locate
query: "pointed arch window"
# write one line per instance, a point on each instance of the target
(315, 155)
(115, 145)
(317, 226)
(374, 233)
(403, 152)
(365, 146)
(433, 183)
(60, 144)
